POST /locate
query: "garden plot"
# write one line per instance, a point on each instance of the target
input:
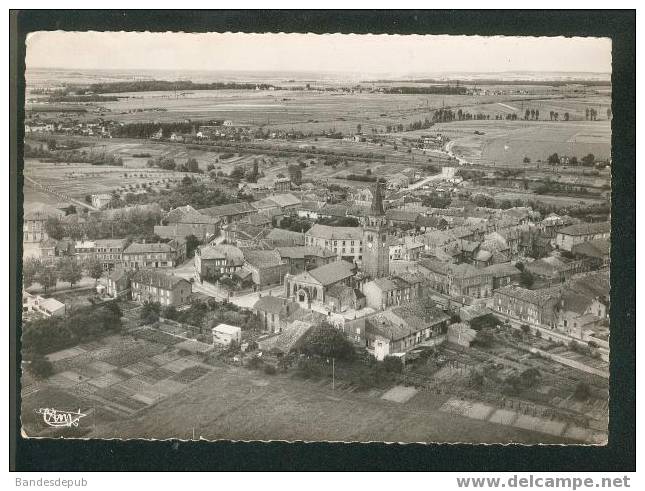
(191, 374)
(399, 394)
(181, 364)
(65, 354)
(105, 380)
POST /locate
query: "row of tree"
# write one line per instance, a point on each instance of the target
(66, 268)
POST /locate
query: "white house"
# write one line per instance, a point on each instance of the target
(225, 334)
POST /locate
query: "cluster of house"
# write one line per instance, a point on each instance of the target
(68, 126)
(392, 283)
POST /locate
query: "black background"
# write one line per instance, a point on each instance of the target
(137, 455)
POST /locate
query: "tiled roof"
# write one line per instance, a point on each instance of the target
(586, 228)
(280, 236)
(575, 302)
(272, 305)
(222, 251)
(502, 269)
(228, 209)
(333, 272)
(401, 215)
(531, 296)
(283, 200)
(157, 278)
(137, 248)
(300, 252)
(594, 248)
(262, 259)
(328, 232)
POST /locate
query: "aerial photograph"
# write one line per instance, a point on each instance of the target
(303, 237)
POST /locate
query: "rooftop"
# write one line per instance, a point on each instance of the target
(157, 278)
(139, 248)
(333, 272)
(328, 232)
(586, 228)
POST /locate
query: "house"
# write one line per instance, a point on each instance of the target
(345, 242)
(101, 200)
(266, 267)
(578, 313)
(397, 330)
(278, 237)
(149, 285)
(118, 283)
(594, 253)
(313, 286)
(244, 234)
(225, 334)
(362, 197)
(286, 340)
(48, 307)
(149, 255)
(554, 269)
(85, 250)
(286, 202)
(282, 184)
(397, 217)
(530, 306)
(569, 236)
(457, 280)
(34, 219)
(274, 312)
(109, 252)
(215, 260)
(186, 221)
(48, 249)
(383, 293)
(229, 213)
(503, 274)
(302, 258)
(340, 297)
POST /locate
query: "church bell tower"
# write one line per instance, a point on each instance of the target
(376, 253)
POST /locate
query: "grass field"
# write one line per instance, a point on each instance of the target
(234, 403)
(506, 143)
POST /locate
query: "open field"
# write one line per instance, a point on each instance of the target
(142, 385)
(110, 379)
(234, 403)
(79, 180)
(506, 143)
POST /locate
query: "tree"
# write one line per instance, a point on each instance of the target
(31, 268)
(41, 367)
(328, 342)
(526, 279)
(192, 165)
(47, 276)
(582, 391)
(358, 128)
(192, 243)
(393, 364)
(587, 113)
(70, 271)
(566, 116)
(553, 159)
(527, 114)
(54, 228)
(537, 114)
(526, 160)
(88, 199)
(149, 313)
(484, 338)
(573, 161)
(94, 269)
(588, 160)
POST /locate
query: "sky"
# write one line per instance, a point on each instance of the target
(365, 54)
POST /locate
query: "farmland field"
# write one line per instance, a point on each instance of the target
(506, 143)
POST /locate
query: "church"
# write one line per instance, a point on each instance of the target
(376, 257)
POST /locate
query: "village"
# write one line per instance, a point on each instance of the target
(184, 264)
